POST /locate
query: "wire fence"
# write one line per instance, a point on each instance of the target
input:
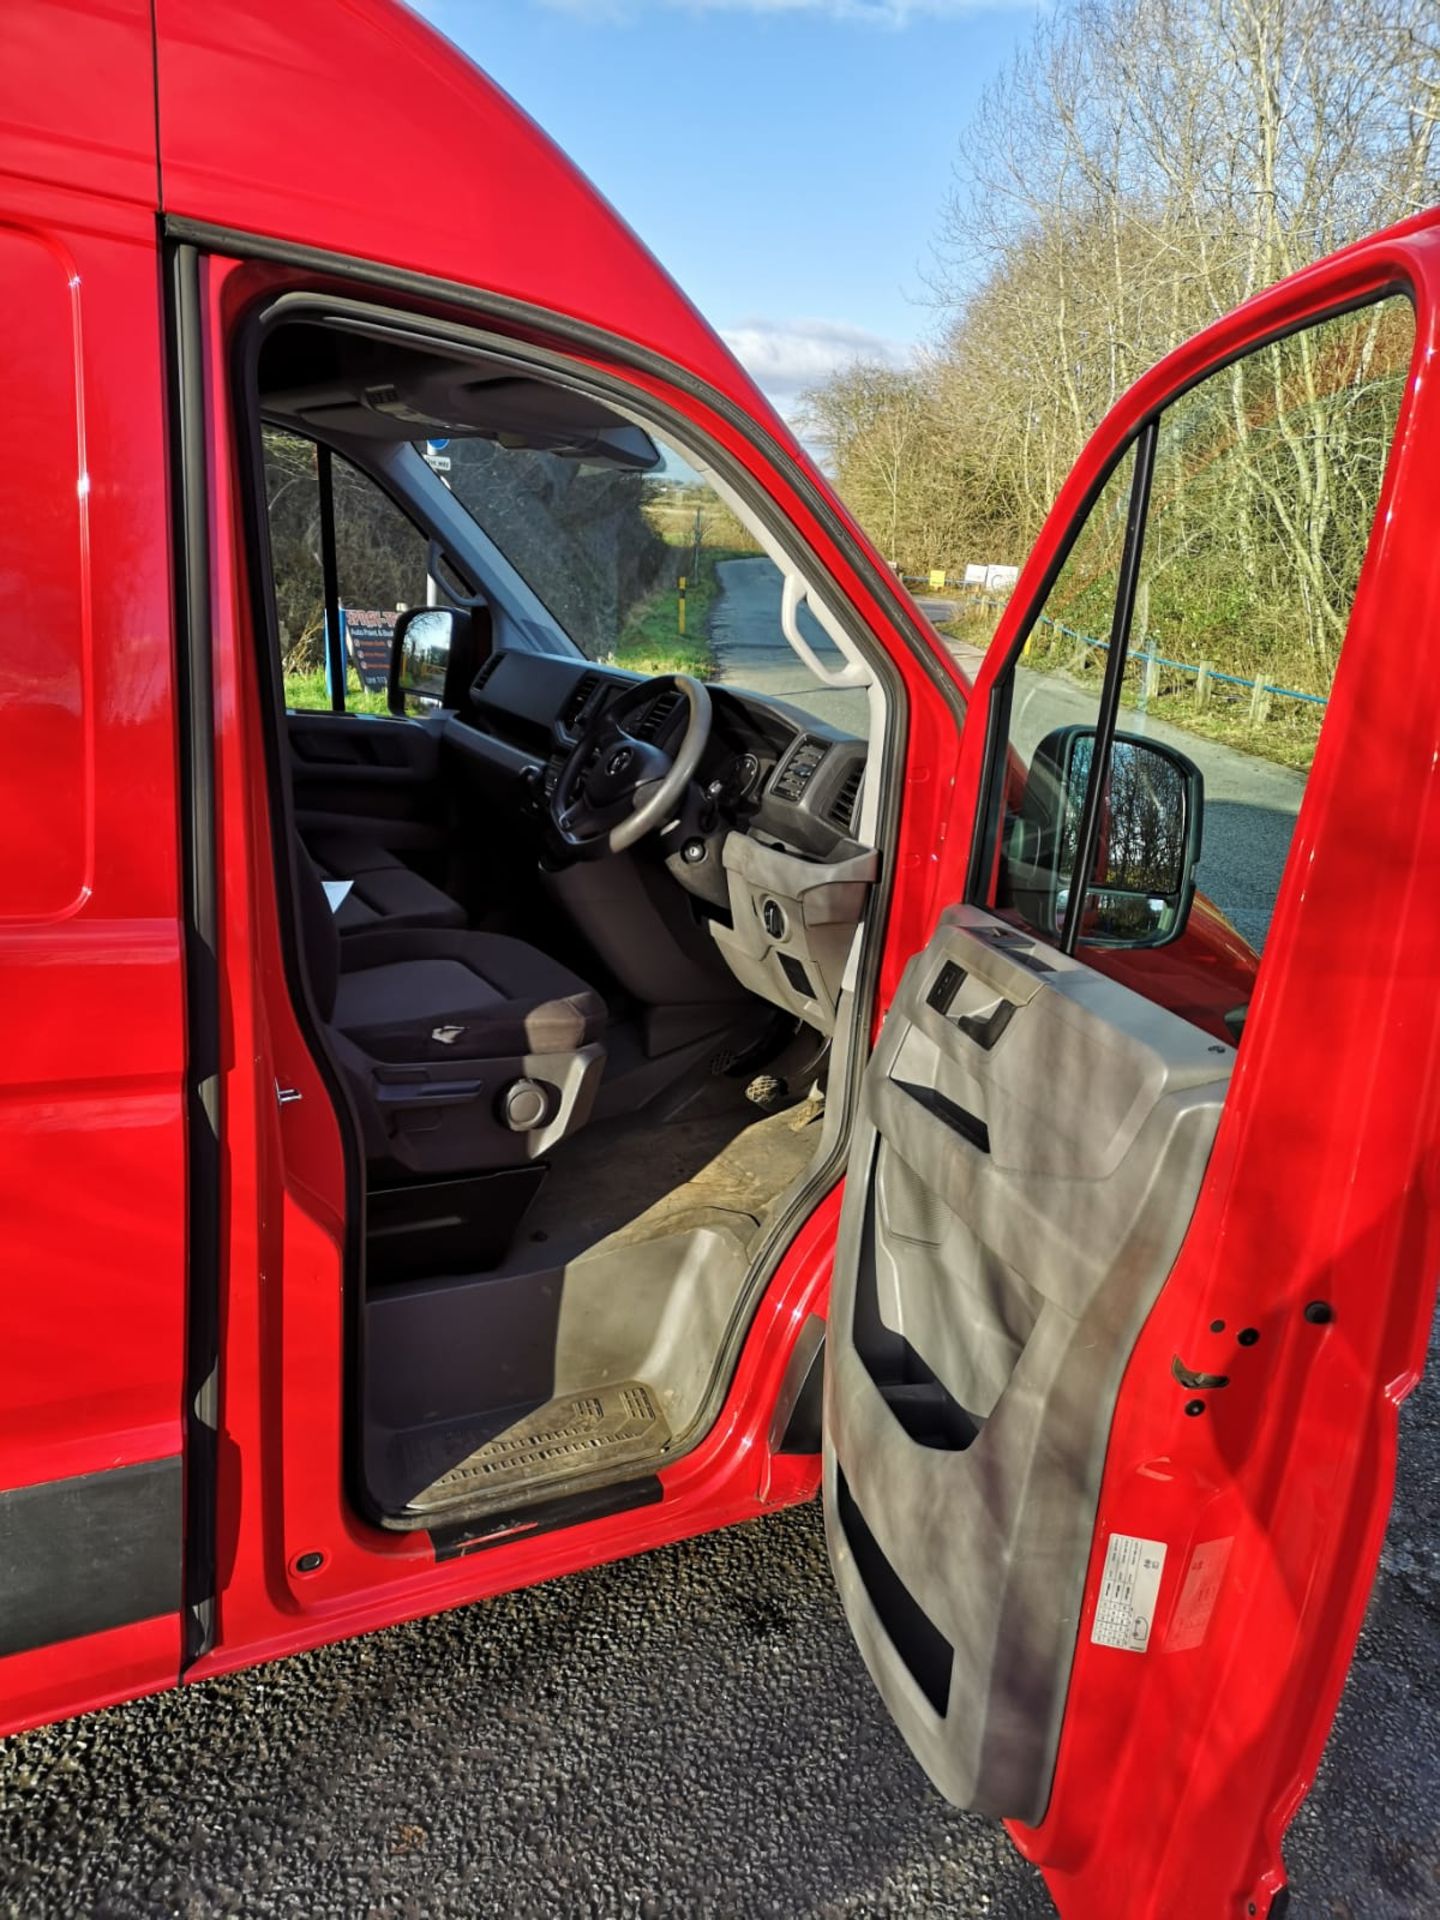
(1149, 663)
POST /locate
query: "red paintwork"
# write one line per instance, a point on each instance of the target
(1176, 1771)
(92, 1140)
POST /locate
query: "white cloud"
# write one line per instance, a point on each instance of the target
(785, 357)
(882, 13)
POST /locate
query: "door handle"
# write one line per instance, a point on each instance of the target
(986, 1029)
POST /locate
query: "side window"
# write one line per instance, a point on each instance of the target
(1216, 646)
(381, 567)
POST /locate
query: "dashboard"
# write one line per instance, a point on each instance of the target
(771, 877)
(768, 769)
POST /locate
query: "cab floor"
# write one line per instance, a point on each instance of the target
(623, 1192)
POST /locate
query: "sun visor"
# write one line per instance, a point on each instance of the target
(515, 412)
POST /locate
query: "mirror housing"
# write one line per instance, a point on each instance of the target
(427, 645)
(1151, 825)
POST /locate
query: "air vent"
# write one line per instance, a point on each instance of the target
(843, 808)
(656, 716)
(578, 699)
(798, 770)
(487, 671)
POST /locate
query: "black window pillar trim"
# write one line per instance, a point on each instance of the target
(189, 513)
(1088, 840)
(330, 578)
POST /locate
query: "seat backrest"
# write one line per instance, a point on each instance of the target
(319, 936)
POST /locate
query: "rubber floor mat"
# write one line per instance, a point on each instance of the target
(584, 1434)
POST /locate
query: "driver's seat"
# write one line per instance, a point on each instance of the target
(464, 1051)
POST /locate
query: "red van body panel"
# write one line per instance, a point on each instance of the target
(92, 1037)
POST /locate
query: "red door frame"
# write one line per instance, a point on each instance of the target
(281, 1487)
(1182, 1821)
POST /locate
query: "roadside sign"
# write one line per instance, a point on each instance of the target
(937, 579)
(368, 637)
(438, 462)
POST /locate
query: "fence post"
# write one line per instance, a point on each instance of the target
(1259, 703)
(1150, 684)
(1202, 682)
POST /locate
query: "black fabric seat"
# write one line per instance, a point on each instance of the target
(484, 993)
(464, 1051)
(384, 892)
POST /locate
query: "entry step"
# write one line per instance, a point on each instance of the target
(574, 1438)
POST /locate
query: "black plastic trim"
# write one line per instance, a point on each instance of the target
(913, 1634)
(572, 1510)
(92, 1553)
(250, 490)
(189, 510)
(330, 576)
(1088, 838)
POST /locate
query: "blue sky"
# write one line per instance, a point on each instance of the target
(786, 159)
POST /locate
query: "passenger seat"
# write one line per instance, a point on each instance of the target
(464, 1051)
(384, 892)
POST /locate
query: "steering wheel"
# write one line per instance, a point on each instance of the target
(613, 789)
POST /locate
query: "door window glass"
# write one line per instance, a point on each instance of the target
(381, 561)
(1262, 496)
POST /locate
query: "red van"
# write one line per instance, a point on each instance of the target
(494, 1082)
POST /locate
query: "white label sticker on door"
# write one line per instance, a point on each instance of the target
(1129, 1587)
(1198, 1593)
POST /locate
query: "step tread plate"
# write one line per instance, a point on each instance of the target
(577, 1437)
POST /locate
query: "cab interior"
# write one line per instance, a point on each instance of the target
(591, 1063)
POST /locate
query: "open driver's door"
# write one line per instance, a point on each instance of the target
(1121, 1313)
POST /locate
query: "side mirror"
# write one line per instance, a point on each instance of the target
(426, 642)
(1151, 822)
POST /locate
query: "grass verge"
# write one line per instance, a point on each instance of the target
(1285, 733)
(651, 642)
(306, 693)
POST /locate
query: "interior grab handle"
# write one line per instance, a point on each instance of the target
(985, 1029)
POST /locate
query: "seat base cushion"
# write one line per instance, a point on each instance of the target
(459, 996)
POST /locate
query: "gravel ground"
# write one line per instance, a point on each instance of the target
(690, 1733)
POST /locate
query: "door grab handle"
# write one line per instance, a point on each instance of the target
(987, 1030)
(969, 1126)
